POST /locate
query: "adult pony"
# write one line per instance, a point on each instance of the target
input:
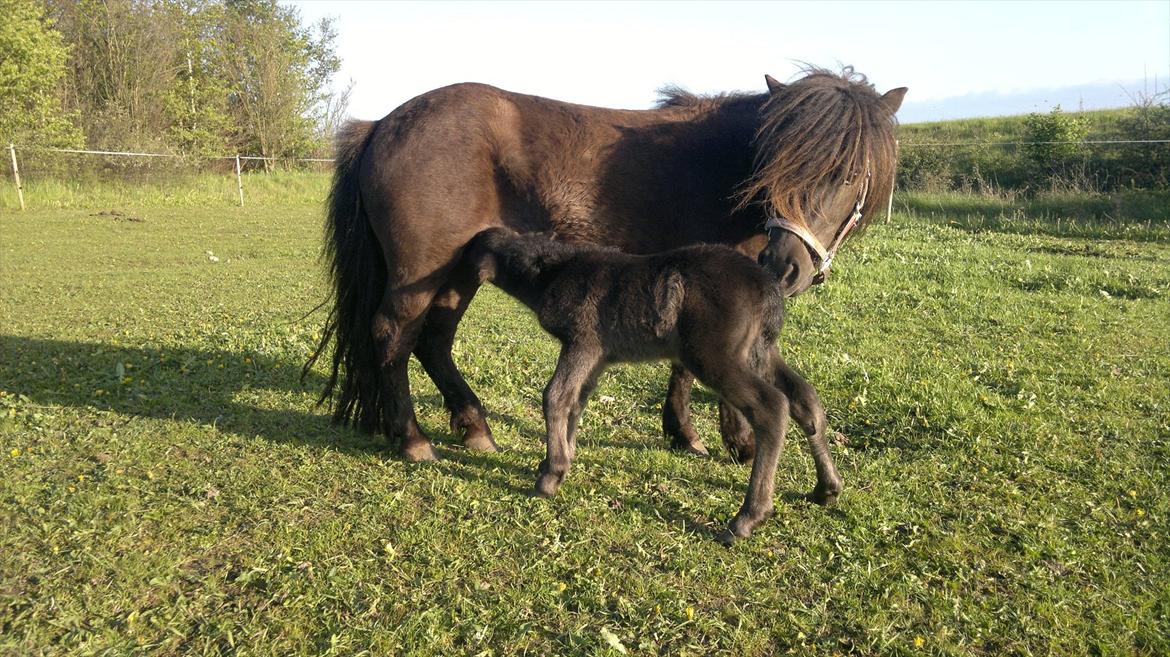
(411, 189)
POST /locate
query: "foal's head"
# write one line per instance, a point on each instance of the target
(825, 155)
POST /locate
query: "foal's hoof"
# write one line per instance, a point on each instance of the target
(480, 441)
(736, 529)
(547, 485)
(726, 537)
(824, 496)
(419, 452)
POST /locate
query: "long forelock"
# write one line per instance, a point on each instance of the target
(823, 129)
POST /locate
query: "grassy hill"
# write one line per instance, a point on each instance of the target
(976, 159)
(1102, 124)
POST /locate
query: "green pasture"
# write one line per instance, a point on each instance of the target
(169, 488)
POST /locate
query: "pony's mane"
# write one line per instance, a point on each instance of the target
(823, 129)
(675, 97)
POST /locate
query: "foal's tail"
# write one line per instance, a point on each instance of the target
(358, 271)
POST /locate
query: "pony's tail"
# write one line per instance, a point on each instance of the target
(358, 274)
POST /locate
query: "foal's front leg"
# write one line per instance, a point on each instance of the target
(562, 396)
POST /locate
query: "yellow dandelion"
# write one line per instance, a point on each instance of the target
(1133, 494)
(690, 613)
(15, 452)
(561, 586)
(1141, 512)
(919, 642)
(71, 489)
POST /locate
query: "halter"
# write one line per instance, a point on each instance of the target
(822, 257)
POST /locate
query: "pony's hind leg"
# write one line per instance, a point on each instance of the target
(576, 367)
(676, 413)
(395, 328)
(434, 352)
(736, 433)
(809, 413)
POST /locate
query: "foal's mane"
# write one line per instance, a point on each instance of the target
(824, 129)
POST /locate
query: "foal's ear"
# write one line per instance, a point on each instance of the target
(668, 291)
(774, 85)
(892, 99)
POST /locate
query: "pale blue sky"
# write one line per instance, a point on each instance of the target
(958, 58)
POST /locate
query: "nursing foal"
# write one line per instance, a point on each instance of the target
(708, 308)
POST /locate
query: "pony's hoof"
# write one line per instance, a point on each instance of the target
(480, 441)
(742, 454)
(696, 448)
(547, 485)
(419, 452)
(726, 538)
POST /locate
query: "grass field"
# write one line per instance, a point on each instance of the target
(169, 489)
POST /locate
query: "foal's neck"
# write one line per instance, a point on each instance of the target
(525, 265)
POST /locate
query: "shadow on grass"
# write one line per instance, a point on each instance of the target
(196, 385)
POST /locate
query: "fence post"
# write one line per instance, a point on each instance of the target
(239, 180)
(893, 181)
(16, 175)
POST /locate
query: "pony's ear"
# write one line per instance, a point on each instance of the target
(774, 85)
(892, 99)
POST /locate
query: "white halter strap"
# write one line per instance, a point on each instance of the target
(822, 257)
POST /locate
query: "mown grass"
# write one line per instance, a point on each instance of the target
(169, 487)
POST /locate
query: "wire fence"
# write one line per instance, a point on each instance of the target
(137, 168)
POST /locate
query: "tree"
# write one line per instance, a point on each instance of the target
(123, 64)
(277, 74)
(197, 103)
(32, 66)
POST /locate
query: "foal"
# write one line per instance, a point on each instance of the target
(709, 308)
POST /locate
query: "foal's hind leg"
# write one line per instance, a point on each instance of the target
(562, 397)
(807, 410)
(766, 410)
(676, 413)
(434, 352)
(579, 407)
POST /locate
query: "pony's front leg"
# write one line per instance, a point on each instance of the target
(562, 395)
(809, 413)
(676, 413)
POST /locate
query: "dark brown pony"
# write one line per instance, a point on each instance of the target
(412, 189)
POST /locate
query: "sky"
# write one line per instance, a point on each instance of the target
(958, 58)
